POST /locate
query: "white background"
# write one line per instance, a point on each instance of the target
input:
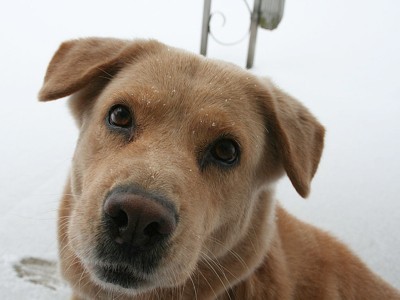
(340, 58)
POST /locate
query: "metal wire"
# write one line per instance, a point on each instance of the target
(218, 13)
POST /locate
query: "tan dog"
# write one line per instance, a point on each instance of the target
(171, 190)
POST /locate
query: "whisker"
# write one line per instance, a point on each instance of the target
(109, 76)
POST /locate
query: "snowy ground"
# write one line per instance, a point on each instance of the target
(341, 58)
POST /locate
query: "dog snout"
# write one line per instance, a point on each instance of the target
(139, 221)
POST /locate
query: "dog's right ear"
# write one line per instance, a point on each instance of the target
(76, 63)
(297, 135)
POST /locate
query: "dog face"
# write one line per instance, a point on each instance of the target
(174, 155)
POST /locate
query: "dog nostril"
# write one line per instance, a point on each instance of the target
(152, 230)
(121, 219)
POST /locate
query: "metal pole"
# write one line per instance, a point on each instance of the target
(205, 27)
(253, 33)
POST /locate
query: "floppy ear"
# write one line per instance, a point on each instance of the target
(76, 63)
(298, 135)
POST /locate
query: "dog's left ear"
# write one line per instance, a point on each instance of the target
(79, 62)
(298, 136)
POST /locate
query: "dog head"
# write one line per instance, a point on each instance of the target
(174, 157)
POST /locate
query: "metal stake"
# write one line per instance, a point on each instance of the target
(206, 27)
(253, 33)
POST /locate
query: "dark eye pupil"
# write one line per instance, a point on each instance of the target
(225, 151)
(120, 116)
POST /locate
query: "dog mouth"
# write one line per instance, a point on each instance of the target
(124, 266)
(118, 275)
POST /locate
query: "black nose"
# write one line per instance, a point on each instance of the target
(138, 220)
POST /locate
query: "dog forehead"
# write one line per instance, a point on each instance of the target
(180, 80)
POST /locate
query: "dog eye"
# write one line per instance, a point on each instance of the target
(225, 151)
(120, 116)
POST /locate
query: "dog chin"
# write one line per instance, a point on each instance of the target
(119, 279)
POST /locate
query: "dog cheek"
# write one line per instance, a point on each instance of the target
(80, 165)
(82, 232)
(182, 260)
(85, 223)
(76, 234)
(234, 203)
(86, 158)
(76, 181)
